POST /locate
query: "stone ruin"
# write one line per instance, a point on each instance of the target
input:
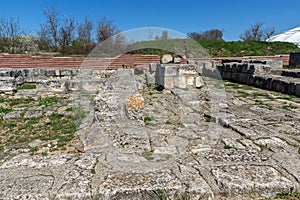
(163, 131)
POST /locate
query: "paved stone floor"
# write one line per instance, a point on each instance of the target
(142, 142)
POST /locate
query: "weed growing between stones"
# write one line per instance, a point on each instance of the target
(291, 195)
(5, 110)
(26, 87)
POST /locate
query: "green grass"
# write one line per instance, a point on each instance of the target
(228, 147)
(290, 106)
(13, 102)
(150, 121)
(56, 126)
(26, 87)
(243, 94)
(207, 118)
(48, 101)
(266, 96)
(263, 105)
(215, 48)
(79, 114)
(5, 110)
(292, 195)
(168, 122)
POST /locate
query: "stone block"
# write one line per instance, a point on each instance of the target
(150, 78)
(244, 68)
(167, 58)
(291, 88)
(277, 85)
(170, 70)
(177, 60)
(186, 72)
(57, 72)
(138, 71)
(199, 82)
(190, 80)
(7, 84)
(180, 82)
(152, 67)
(169, 83)
(50, 72)
(297, 89)
(159, 75)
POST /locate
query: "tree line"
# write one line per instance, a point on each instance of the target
(57, 34)
(68, 36)
(257, 32)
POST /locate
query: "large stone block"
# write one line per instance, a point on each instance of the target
(7, 84)
(170, 70)
(152, 67)
(150, 78)
(297, 89)
(160, 75)
(169, 82)
(180, 82)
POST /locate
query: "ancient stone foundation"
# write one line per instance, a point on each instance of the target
(260, 75)
(158, 132)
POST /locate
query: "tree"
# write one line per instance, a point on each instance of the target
(111, 38)
(84, 42)
(9, 30)
(66, 34)
(49, 33)
(105, 29)
(164, 35)
(213, 34)
(257, 33)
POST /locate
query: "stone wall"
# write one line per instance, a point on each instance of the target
(277, 59)
(52, 80)
(259, 75)
(174, 75)
(294, 60)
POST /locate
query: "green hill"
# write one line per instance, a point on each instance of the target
(214, 48)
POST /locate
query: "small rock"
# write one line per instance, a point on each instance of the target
(177, 60)
(167, 58)
(13, 114)
(33, 113)
(36, 143)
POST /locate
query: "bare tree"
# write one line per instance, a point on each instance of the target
(84, 33)
(66, 34)
(165, 35)
(9, 30)
(105, 29)
(257, 33)
(85, 30)
(268, 33)
(213, 34)
(49, 32)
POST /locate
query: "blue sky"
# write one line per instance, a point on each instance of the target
(231, 16)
